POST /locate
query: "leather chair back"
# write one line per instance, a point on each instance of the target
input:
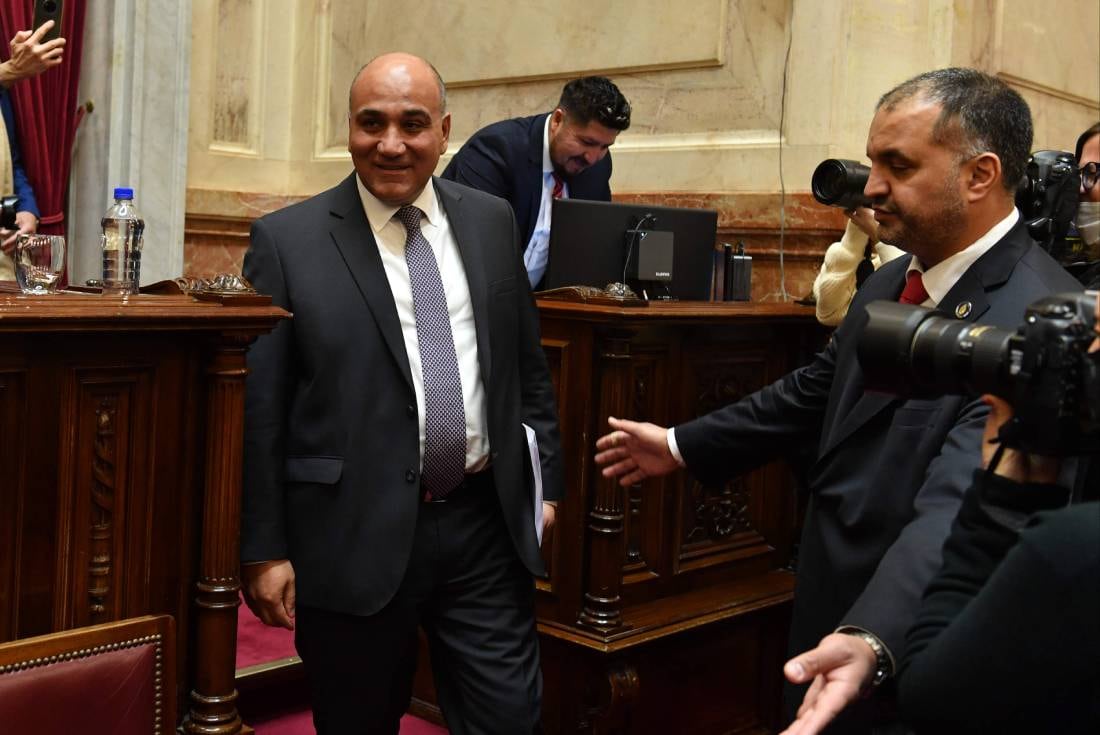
(117, 678)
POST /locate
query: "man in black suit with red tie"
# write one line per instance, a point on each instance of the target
(387, 476)
(530, 161)
(947, 150)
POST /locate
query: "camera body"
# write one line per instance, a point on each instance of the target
(8, 207)
(1043, 368)
(1047, 199)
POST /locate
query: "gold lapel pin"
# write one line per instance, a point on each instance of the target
(962, 311)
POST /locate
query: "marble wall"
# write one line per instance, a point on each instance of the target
(734, 102)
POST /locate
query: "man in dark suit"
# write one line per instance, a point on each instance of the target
(387, 475)
(530, 161)
(946, 150)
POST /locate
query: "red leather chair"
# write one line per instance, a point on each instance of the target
(117, 678)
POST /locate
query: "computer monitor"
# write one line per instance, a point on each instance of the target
(588, 245)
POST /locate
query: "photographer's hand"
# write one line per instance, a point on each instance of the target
(26, 224)
(1015, 465)
(29, 57)
(864, 219)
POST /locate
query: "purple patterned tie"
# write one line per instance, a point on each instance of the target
(444, 414)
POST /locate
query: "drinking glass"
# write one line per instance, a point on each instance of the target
(39, 263)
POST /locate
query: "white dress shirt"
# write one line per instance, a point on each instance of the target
(389, 234)
(537, 255)
(938, 280)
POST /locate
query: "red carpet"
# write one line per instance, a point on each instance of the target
(258, 643)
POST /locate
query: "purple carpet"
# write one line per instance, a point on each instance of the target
(258, 643)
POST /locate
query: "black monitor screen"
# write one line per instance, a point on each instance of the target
(588, 244)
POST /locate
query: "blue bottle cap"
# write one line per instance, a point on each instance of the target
(123, 192)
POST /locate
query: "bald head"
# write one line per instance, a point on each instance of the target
(400, 63)
(397, 128)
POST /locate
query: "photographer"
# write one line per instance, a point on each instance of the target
(29, 57)
(840, 272)
(1088, 206)
(1007, 637)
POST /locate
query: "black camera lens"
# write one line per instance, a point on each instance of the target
(913, 351)
(839, 183)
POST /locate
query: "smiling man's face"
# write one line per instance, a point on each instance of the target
(397, 129)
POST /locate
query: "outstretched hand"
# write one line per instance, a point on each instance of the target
(634, 451)
(840, 667)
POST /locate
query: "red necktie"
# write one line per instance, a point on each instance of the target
(559, 186)
(914, 292)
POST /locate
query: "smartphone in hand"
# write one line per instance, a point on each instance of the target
(45, 10)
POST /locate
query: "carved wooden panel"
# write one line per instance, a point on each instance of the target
(721, 522)
(99, 478)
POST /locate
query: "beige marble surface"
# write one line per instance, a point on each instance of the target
(710, 113)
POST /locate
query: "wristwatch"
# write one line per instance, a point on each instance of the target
(884, 662)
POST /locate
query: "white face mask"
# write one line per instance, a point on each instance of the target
(1088, 224)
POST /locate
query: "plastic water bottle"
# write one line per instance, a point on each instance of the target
(123, 228)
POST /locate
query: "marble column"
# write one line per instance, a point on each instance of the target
(135, 71)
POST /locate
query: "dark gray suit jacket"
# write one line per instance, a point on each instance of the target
(889, 473)
(331, 452)
(505, 159)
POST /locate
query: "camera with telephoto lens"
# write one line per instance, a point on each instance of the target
(839, 182)
(1047, 199)
(1043, 368)
(8, 206)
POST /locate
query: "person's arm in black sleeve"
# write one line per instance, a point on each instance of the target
(482, 163)
(998, 636)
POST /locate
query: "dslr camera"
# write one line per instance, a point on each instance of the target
(1047, 200)
(1043, 368)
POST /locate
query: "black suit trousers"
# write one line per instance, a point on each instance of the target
(466, 587)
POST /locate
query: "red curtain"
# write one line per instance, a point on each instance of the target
(46, 110)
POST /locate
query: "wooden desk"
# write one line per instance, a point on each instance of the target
(667, 605)
(120, 454)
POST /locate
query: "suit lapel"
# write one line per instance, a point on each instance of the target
(864, 405)
(470, 239)
(352, 235)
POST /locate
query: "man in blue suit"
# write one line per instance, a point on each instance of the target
(530, 161)
(947, 149)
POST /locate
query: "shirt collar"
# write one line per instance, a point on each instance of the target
(547, 164)
(941, 278)
(379, 213)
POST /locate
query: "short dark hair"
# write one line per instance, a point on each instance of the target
(1085, 138)
(595, 98)
(980, 111)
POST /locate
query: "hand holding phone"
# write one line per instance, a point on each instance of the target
(30, 55)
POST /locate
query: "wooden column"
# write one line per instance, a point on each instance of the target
(602, 607)
(214, 697)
